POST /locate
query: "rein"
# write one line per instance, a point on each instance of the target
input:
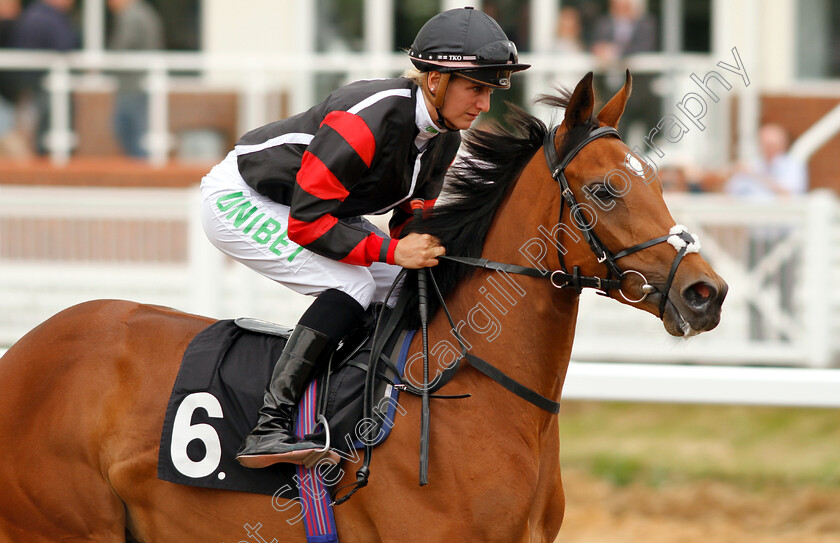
(383, 330)
(678, 237)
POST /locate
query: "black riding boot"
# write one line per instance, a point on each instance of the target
(272, 440)
(330, 317)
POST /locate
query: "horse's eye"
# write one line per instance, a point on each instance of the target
(601, 192)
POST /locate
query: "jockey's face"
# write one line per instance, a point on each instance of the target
(464, 101)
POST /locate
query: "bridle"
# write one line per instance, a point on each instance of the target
(678, 237)
(682, 241)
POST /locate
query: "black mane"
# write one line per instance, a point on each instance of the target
(477, 184)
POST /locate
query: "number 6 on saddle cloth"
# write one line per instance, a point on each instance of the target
(219, 389)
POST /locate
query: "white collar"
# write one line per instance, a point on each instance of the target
(428, 129)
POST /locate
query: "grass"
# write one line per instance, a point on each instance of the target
(655, 444)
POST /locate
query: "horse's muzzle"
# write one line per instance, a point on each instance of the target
(696, 308)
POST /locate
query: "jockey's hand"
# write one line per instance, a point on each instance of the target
(418, 251)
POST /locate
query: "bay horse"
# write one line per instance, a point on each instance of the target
(84, 393)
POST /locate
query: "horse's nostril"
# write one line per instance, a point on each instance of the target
(704, 291)
(699, 295)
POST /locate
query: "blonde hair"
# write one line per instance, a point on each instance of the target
(415, 75)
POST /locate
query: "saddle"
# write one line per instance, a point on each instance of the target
(219, 389)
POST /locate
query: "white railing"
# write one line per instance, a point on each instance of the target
(789, 387)
(732, 385)
(256, 78)
(60, 246)
(780, 260)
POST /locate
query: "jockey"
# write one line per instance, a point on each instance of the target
(288, 200)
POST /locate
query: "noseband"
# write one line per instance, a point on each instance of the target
(682, 241)
(678, 236)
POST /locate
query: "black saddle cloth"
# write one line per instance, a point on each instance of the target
(219, 390)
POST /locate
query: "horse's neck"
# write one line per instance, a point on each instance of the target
(522, 325)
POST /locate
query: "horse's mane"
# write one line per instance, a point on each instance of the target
(477, 183)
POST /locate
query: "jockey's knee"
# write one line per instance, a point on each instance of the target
(360, 286)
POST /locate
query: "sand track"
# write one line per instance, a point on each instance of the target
(699, 512)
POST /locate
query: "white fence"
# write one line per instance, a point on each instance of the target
(258, 79)
(60, 246)
(788, 387)
(669, 383)
(782, 262)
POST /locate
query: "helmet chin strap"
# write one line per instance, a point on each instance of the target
(437, 98)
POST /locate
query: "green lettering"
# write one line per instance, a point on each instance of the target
(235, 196)
(293, 255)
(253, 222)
(281, 239)
(242, 215)
(267, 229)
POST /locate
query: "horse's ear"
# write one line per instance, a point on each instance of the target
(581, 103)
(611, 113)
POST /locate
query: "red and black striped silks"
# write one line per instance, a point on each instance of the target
(351, 155)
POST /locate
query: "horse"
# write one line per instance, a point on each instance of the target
(84, 393)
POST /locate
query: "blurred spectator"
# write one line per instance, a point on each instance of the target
(514, 17)
(626, 30)
(44, 24)
(681, 173)
(137, 27)
(9, 11)
(622, 32)
(568, 36)
(774, 173)
(682, 176)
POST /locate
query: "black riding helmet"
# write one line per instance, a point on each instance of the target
(469, 43)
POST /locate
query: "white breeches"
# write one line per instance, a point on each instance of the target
(252, 229)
